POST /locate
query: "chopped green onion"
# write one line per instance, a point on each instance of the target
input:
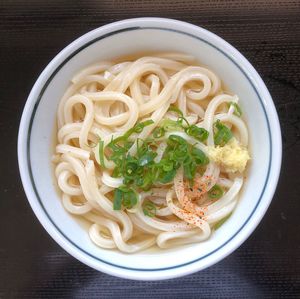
(127, 180)
(125, 196)
(141, 146)
(237, 109)
(116, 149)
(129, 199)
(166, 176)
(149, 209)
(158, 132)
(147, 158)
(181, 152)
(138, 128)
(144, 182)
(113, 142)
(198, 133)
(117, 199)
(171, 125)
(221, 222)
(223, 134)
(199, 156)
(131, 166)
(174, 140)
(141, 171)
(124, 189)
(189, 170)
(153, 172)
(187, 160)
(101, 153)
(175, 109)
(167, 165)
(116, 172)
(179, 112)
(215, 192)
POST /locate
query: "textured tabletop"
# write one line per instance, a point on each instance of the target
(267, 265)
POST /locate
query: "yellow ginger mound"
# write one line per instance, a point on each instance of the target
(232, 156)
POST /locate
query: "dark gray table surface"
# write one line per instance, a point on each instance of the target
(267, 265)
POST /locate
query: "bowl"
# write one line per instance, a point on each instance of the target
(37, 131)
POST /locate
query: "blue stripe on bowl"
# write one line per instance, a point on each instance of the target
(37, 104)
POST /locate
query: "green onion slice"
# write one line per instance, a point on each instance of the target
(189, 170)
(221, 222)
(149, 209)
(126, 196)
(199, 157)
(166, 176)
(171, 125)
(223, 134)
(129, 199)
(117, 199)
(198, 133)
(138, 128)
(179, 113)
(158, 132)
(131, 165)
(215, 192)
(101, 153)
(237, 109)
(147, 158)
(167, 165)
(174, 140)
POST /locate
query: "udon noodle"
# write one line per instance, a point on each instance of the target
(149, 151)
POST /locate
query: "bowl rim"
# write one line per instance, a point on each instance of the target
(163, 24)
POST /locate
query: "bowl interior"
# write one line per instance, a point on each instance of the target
(41, 140)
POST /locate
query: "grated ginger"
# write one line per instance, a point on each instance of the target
(232, 156)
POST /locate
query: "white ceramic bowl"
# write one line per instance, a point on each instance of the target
(36, 144)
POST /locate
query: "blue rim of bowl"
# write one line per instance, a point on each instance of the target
(36, 107)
